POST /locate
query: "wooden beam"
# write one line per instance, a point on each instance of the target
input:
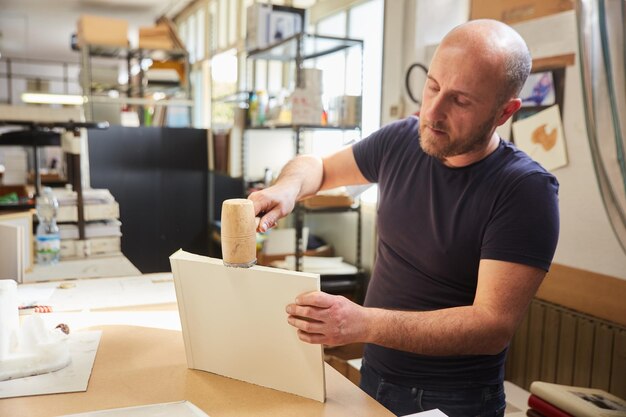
(552, 62)
(588, 292)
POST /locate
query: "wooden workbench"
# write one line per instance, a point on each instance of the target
(139, 366)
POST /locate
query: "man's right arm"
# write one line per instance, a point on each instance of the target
(303, 176)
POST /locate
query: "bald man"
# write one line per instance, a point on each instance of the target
(467, 228)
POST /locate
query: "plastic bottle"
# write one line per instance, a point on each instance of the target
(253, 110)
(48, 239)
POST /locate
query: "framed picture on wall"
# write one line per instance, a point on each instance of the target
(537, 127)
(542, 89)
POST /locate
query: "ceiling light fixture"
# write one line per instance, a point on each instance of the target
(41, 98)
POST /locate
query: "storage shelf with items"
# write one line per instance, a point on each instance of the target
(164, 83)
(311, 117)
(156, 80)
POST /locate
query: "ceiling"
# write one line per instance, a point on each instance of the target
(42, 28)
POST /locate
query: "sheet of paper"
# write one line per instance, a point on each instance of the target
(234, 324)
(541, 137)
(168, 320)
(35, 294)
(94, 267)
(430, 413)
(73, 378)
(108, 292)
(178, 409)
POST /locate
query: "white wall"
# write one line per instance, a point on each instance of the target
(587, 240)
(24, 24)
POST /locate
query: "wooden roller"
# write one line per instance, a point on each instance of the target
(238, 233)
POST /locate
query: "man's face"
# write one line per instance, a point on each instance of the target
(459, 104)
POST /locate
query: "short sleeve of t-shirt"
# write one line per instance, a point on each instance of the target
(525, 225)
(371, 153)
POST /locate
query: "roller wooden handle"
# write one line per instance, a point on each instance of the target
(238, 233)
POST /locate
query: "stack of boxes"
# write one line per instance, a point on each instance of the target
(102, 225)
(106, 31)
(306, 100)
(15, 162)
(102, 31)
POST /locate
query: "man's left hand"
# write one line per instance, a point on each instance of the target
(327, 319)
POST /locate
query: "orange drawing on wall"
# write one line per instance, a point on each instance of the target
(541, 137)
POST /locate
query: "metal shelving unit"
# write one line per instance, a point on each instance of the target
(130, 94)
(298, 49)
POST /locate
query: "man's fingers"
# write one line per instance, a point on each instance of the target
(269, 220)
(313, 338)
(306, 325)
(307, 312)
(316, 299)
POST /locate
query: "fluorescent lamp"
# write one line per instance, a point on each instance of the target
(40, 98)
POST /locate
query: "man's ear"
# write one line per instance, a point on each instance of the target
(509, 108)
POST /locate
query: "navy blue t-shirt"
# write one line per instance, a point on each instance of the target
(435, 224)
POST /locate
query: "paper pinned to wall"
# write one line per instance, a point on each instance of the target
(234, 324)
(541, 137)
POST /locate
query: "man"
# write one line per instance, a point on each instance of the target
(467, 229)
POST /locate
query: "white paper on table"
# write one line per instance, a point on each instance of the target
(110, 292)
(178, 409)
(73, 378)
(76, 320)
(234, 324)
(35, 294)
(430, 413)
(541, 137)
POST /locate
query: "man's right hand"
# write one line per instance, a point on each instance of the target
(303, 176)
(274, 203)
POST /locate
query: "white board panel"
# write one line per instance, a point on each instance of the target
(234, 324)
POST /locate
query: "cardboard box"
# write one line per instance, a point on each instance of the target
(155, 37)
(345, 111)
(513, 11)
(99, 30)
(324, 201)
(74, 249)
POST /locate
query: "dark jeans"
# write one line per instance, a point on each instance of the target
(402, 400)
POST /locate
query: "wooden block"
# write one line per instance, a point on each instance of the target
(234, 324)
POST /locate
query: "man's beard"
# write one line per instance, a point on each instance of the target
(446, 147)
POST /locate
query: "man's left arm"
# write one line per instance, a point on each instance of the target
(503, 294)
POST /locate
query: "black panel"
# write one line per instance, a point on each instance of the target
(159, 177)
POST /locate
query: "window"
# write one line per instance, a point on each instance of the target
(363, 21)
